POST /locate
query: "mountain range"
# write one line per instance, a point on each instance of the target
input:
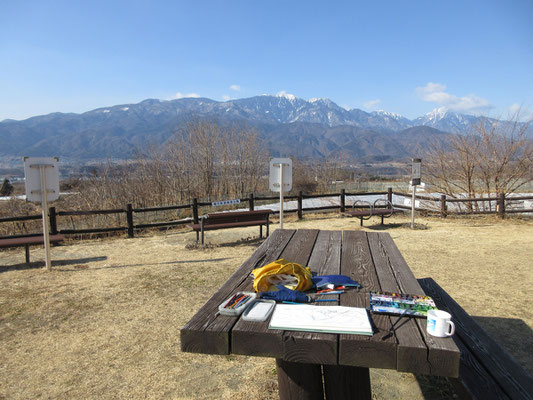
(289, 126)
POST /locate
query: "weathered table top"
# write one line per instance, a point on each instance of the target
(373, 260)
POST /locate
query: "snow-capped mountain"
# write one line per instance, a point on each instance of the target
(118, 131)
(283, 108)
(287, 108)
(447, 121)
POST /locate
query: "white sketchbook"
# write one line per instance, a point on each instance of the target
(331, 319)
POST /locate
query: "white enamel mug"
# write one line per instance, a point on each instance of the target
(440, 324)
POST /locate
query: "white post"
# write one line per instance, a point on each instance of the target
(46, 228)
(279, 180)
(413, 208)
(281, 184)
(415, 180)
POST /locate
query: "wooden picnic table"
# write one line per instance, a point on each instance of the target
(317, 365)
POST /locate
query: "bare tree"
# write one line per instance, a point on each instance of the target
(207, 160)
(201, 142)
(451, 169)
(304, 176)
(7, 188)
(505, 154)
(243, 161)
(493, 157)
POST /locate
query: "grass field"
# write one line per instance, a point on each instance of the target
(104, 323)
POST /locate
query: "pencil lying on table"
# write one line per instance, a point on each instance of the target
(332, 292)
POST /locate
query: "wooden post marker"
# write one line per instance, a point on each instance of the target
(501, 205)
(280, 180)
(42, 185)
(443, 207)
(129, 218)
(53, 220)
(251, 201)
(415, 180)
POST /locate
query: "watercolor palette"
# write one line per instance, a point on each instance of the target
(399, 304)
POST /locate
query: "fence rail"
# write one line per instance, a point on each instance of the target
(90, 212)
(23, 218)
(129, 212)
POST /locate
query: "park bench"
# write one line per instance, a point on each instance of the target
(365, 210)
(27, 241)
(486, 370)
(233, 219)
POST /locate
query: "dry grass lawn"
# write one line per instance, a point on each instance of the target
(105, 322)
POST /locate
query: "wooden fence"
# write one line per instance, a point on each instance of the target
(129, 212)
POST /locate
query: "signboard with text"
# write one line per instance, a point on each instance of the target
(416, 172)
(274, 182)
(225, 202)
(33, 178)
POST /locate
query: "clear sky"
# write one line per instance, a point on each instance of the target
(407, 57)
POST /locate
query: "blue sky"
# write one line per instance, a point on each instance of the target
(407, 57)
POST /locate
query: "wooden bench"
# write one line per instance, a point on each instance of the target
(233, 219)
(371, 210)
(27, 241)
(486, 370)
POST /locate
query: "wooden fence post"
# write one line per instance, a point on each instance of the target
(300, 204)
(501, 205)
(53, 220)
(251, 201)
(389, 195)
(195, 210)
(129, 218)
(443, 206)
(343, 200)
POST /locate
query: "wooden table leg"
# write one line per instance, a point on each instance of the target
(299, 381)
(342, 382)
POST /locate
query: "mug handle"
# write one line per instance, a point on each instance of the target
(452, 331)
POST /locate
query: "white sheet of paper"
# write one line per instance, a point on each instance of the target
(332, 319)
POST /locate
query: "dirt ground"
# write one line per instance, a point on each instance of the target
(104, 323)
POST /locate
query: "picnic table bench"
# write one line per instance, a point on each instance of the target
(486, 370)
(27, 241)
(233, 219)
(312, 365)
(367, 210)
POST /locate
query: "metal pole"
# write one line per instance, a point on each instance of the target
(44, 206)
(413, 208)
(415, 180)
(281, 188)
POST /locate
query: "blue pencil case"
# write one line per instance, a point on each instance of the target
(337, 280)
